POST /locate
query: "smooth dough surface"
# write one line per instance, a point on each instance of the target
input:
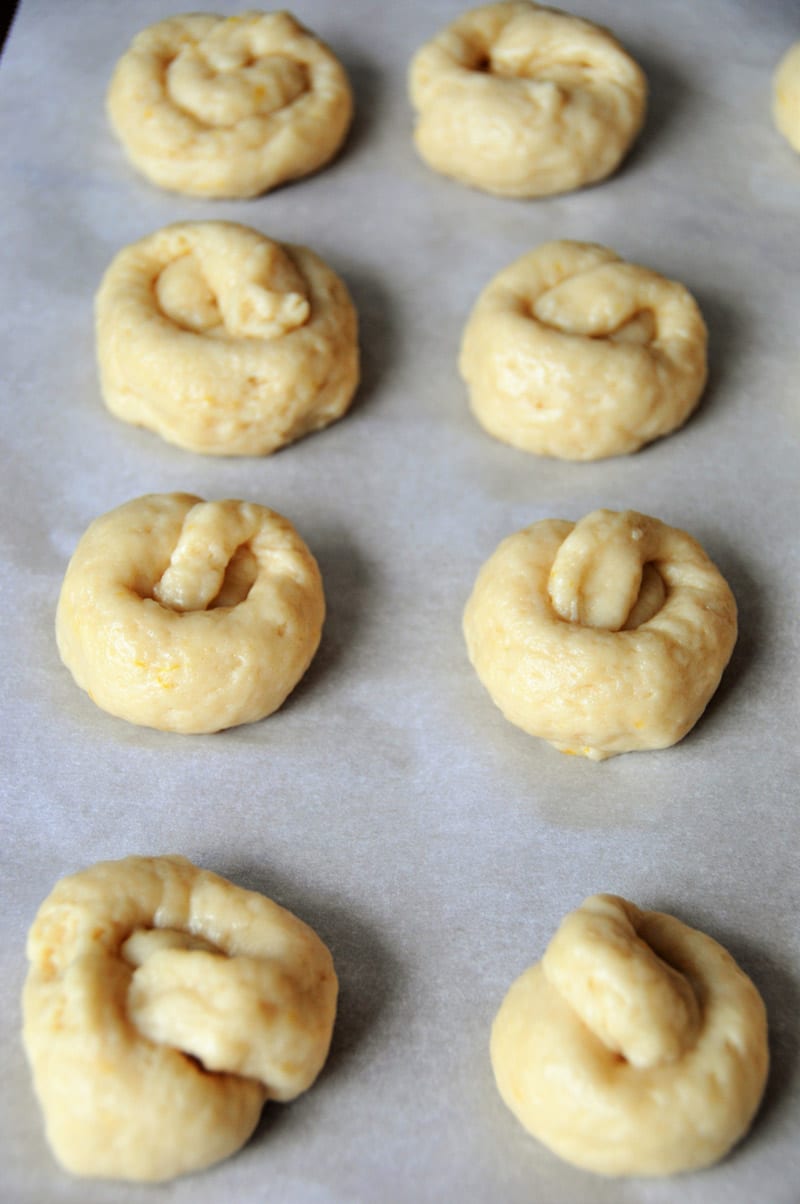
(228, 106)
(190, 616)
(572, 352)
(223, 341)
(525, 101)
(786, 96)
(635, 1047)
(163, 1006)
(604, 636)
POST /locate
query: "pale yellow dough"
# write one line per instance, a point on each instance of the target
(786, 96)
(603, 636)
(163, 1006)
(229, 106)
(635, 1047)
(572, 352)
(223, 341)
(190, 616)
(525, 101)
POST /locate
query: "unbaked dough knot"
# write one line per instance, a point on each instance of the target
(636, 1046)
(163, 1006)
(522, 100)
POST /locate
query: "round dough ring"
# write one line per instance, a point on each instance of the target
(602, 637)
(162, 1007)
(635, 1047)
(190, 616)
(525, 101)
(786, 96)
(223, 341)
(572, 352)
(228, 106)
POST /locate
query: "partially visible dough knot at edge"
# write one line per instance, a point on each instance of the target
(572, 352)
(602, 637)
(190, 616)
(224, 341)
(229, 107)
(163, 1006)
(786, 96)
(636, 1046)
(525, 101)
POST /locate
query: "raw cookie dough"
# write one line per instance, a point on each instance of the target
(786, 96)
(162, 1007)
(190, 616)
(223, 341)
(525, 101)
(572, 352)
(603, 636)
(229, 106)
(635, 1047)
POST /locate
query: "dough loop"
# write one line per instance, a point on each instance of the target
(786, 96)
(163, 1006)
(223, 341)
(603, 636)
(525, 101)
(572, 352)
(229, 106)
(190, 616)
(635, 1047)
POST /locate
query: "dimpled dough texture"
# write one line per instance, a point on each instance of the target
(525, 101)
(786, 96)
(163, 1006)
(635, 1047)
(572, 352)
(190, 616)
(228, 107)
(603, 636)
(223, 341)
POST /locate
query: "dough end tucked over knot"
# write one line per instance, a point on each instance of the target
(635, 1047)
(163, 1006)
(190, 616)
(525, 101)
(229, 106)
(223, 341)
(571, 352)
(603, 636)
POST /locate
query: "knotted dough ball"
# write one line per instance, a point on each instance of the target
(223, 341)
(635, 1047)
(786, 96)
(603, 636)
(163, 1006)
(228, 106)
(572, 352)
(525, 101)
(190, 616)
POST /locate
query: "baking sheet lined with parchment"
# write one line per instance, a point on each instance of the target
(432, 845)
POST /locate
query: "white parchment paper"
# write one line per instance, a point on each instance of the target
(433, 846)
